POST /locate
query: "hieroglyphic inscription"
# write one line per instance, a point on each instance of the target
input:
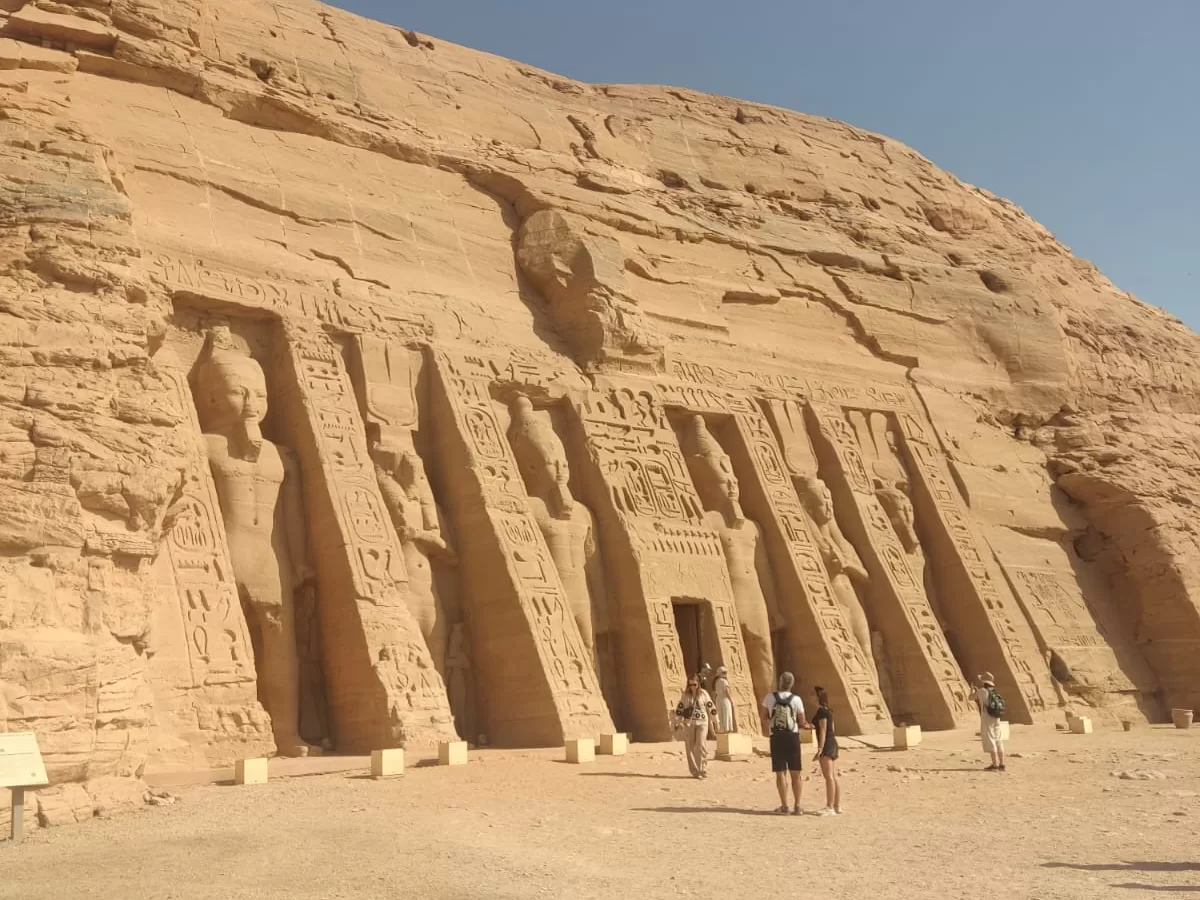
(895, 581)
(824, 387)
(536, 584)
(928, 464)
(215, 633)
(786, 510)
(641, 462)
(363, 530)
(1069, 630)
(326, 392)
(194, 278)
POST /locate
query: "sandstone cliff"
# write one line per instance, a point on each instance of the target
(398, 390)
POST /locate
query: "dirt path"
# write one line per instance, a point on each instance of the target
(923, 824)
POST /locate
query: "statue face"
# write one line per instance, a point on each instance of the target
(727, 480)
(234, 390)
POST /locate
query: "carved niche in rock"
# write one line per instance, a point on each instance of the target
(568, 526)
(750, 573)
(258, 488)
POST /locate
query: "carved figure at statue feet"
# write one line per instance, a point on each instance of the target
(417, 518)
(842, 562)
(567, 525)
(258, 487)
(749, 567)
(460, 682)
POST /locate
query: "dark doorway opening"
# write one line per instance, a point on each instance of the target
(689, 625)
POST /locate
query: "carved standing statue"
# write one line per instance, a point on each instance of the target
(750, 573)
(258, 487)
(417, 518)
(891, 483)
(568, 526)
(842, 561)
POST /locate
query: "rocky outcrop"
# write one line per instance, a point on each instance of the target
(281, 287)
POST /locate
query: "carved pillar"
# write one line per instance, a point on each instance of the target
(995, 634)
(203, 668)
(817, 631)
(383, 690)
(930, 689)
(534, 674)
(653, 526)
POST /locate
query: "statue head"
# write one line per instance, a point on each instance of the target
(541, 457)
(817, 499)
(231, 391)
(711, 468)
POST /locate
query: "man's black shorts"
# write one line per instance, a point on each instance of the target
(785, 751)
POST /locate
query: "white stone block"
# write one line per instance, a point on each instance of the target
(1081, 725)
(614, 744)
(452, 753)
(581, 750)
(905, 737)
(250, 771)
(731, 745)
(385, 763)
(1005, 731)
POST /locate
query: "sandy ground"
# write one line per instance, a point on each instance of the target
(926, 823)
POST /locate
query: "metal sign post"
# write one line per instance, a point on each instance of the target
(21, 767)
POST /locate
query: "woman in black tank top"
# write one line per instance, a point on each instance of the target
(827, 754)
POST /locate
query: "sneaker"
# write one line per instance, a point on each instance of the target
(797, 811)
(992, 768)
(1001, 769)
(827, 811)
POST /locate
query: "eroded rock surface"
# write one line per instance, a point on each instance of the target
(525, 350)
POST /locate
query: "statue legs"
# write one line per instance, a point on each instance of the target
(857, 616)
(279, 665)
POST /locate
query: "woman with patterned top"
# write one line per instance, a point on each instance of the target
(692, 715)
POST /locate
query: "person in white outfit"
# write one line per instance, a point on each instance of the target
(724, 702)
(989, 725)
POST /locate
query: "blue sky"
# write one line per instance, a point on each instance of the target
(1084, 112)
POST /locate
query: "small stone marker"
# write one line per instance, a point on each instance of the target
(250, 771)
(733, 744)
(452, 753)
(581, 750)
(1182, 718)
(21, 767)
(615, 744)
(905, 737)
(385, 763)
(1080, 725)
(1005, 731)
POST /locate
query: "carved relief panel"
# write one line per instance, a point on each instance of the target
(363, 575)
(505, 530)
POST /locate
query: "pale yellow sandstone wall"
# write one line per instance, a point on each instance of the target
(488, 305)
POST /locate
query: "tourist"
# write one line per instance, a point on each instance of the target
(693, 716)
(705, 676)
(991, 708)
(724, 701)
(827, 754)
(785, 716)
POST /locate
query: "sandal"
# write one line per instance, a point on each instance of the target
(797, 811)
(783, 810)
